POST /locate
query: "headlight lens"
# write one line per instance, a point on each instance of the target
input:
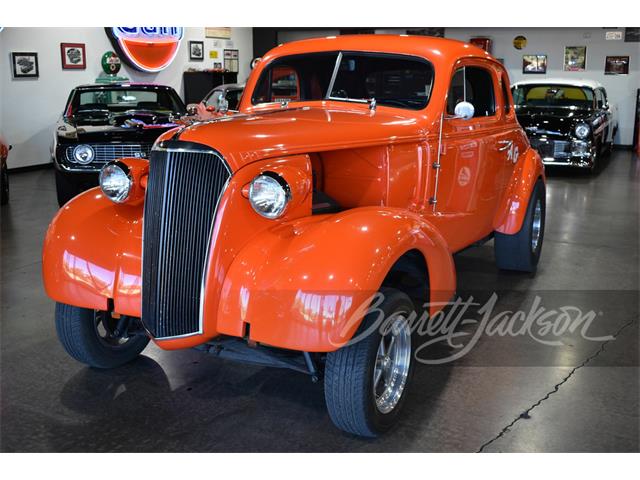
(581, 130)
(83, 154)
(269, 194)
(116, 181)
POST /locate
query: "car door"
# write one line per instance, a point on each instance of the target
(471, 167)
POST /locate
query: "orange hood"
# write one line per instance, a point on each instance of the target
(243, 139)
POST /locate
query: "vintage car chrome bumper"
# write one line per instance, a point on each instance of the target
(563, 152)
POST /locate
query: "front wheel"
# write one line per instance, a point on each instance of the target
(97, 338)
(521, 251)
(366, 382)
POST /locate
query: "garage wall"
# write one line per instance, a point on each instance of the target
(29, 108)
(551, 42)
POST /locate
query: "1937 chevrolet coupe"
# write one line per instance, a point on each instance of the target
(264, 236)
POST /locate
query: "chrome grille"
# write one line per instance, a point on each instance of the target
(105, 152)
(549, 148)
(182, 195)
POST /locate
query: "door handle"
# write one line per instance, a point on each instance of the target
(506, 145)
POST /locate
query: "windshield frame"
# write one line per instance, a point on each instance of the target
(550, 85)
(336, 69)
(70, 109)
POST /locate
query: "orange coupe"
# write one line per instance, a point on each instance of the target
(267, 236)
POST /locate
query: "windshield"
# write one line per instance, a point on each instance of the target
(122, 100)
(392, 80)
(553, 96)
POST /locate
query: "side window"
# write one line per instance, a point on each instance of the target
(505, 95)
(284, 84)
(473, 85)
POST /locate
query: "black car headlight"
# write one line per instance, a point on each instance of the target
(269, 195)
(83, 154)
(116, 181)
(582, 131)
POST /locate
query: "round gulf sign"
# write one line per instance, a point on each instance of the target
(149, 49)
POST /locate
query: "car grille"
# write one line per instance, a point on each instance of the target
(182, 194)
(549, 148)
(106, 152)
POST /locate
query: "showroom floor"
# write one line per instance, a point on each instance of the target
(508, 393)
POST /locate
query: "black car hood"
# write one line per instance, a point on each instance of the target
(550, 120)
(125, 126)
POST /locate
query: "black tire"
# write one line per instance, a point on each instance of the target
(349, 383)
(65, 188)
(4, 186)
(595, 159)
(80, 336)
(516, 252)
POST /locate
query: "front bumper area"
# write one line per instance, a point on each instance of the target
(566, 152)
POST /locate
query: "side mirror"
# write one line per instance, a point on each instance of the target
(464, 111)
(192, 108)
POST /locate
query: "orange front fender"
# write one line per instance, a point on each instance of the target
(92, 253)
(303, 285)
(513, 206)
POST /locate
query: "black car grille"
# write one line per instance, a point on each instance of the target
(106, 152)
(183, 190)
(551, 148)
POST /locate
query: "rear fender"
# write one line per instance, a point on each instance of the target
(513, 206)
(303, 285)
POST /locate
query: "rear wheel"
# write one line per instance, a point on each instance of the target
(521, 251)
(96, 338)
(366, 382)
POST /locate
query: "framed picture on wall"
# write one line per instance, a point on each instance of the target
(73, 56)
(25, 64)
(196, 50)
(534, 64)
(616, 65)
(575, 59)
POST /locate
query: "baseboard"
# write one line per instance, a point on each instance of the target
(622, 147)
(31, 168)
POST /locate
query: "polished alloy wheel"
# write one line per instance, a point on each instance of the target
(537, 224)
(392, 365)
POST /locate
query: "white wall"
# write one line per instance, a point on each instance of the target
(550, 42)
(29, 108)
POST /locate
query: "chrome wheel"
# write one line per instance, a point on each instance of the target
(391, 370)
(537, 225)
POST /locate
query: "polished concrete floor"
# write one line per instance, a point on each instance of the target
(508, 393)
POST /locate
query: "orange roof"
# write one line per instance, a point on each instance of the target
(432, 48)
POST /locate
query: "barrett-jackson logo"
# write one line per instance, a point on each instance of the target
(149, 49)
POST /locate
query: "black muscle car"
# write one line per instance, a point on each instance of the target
(101, 123)
(569, 122)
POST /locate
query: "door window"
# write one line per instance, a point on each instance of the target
(473, 85)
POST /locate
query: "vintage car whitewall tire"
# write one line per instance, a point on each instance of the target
(521, 251)
(85, 339)
(366, 387)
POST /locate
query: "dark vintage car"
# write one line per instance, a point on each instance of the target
(569, 122)
(4, 174)
(101, 123)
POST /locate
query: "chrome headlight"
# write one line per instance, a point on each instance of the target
(83, 154)
(582, 130)
(116, 181)
(269, 195)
